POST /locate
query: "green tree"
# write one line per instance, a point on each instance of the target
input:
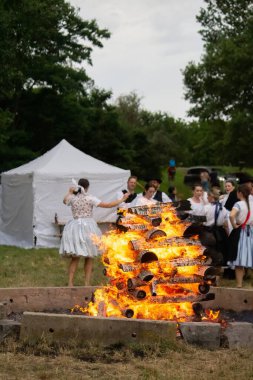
(219, 87)
(44, 46)
(154, 137)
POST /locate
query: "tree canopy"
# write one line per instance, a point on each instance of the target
(46, 94)
(220, 86)
(42, 81)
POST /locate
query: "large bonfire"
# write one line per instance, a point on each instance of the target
(157, 267)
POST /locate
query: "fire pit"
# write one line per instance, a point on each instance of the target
(161, 286)
(157, 267)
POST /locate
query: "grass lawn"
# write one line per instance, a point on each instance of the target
(180, 362)
(40, 267)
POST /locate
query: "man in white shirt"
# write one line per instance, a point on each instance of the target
(131, 186)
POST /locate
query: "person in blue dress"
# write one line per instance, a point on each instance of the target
(241, 237)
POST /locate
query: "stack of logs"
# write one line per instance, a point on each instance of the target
(161, 279)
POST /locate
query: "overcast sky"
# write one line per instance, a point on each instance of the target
(151, 42)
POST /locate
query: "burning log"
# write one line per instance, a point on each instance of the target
(197, 308)
(157, 264)
(153, 288)
(154, 221)
(120, 285)
(192, 230)
(147, 257)
(209, 297)
(216, 256)
(178, 298)
(136, 244)
(208, 273)
(139, 294)
(204, 288)
(129, 313)
(124, 225)
(191, 279)
(136, 227)
(141, 244)
(163, 263)
(172, 299)
(128, 267)
(207, 238)
(183, 205)
(195, 218)
(146, 210)
(154, 233)
(142, 279)
(136, 282)
(146, 275)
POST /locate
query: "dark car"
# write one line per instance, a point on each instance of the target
(193, 175)
(217, 177)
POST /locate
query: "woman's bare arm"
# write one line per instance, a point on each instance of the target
(232, 216)
(68, 195)
(113, 203)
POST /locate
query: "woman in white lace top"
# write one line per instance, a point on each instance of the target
(78, 233)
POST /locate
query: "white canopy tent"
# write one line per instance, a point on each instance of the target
(33, 193)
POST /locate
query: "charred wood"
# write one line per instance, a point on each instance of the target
(162, 263)
(157, 209)
(146, 275)
(155, 221)
(204, 288)
(154, 233)
(197, 308)
(141, 244)
(139, 294)
(217, 257)
(147, 257)
(129, 313)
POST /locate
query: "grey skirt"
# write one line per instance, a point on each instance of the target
(77, 238)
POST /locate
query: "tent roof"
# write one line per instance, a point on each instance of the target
(64, 159)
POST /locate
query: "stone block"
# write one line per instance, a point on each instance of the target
(203, 334)
(3, 310)
(46, 299)
(105, 331)
(230, 299)
(9, 327)
(238, 335)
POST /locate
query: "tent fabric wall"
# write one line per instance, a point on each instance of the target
(33, 193)
(17, 211)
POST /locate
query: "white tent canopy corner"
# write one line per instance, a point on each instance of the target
(32, 194)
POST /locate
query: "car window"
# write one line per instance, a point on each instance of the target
(194, 171)
(197, 171)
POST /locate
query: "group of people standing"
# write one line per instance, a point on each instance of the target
(231, 214)
(150, 195)
(230, 218)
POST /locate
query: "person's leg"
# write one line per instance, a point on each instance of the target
(88, 264)
(239, 273)
(72, 269)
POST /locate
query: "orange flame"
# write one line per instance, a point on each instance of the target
(150, 277)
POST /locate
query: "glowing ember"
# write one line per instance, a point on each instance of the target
(154, 272)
